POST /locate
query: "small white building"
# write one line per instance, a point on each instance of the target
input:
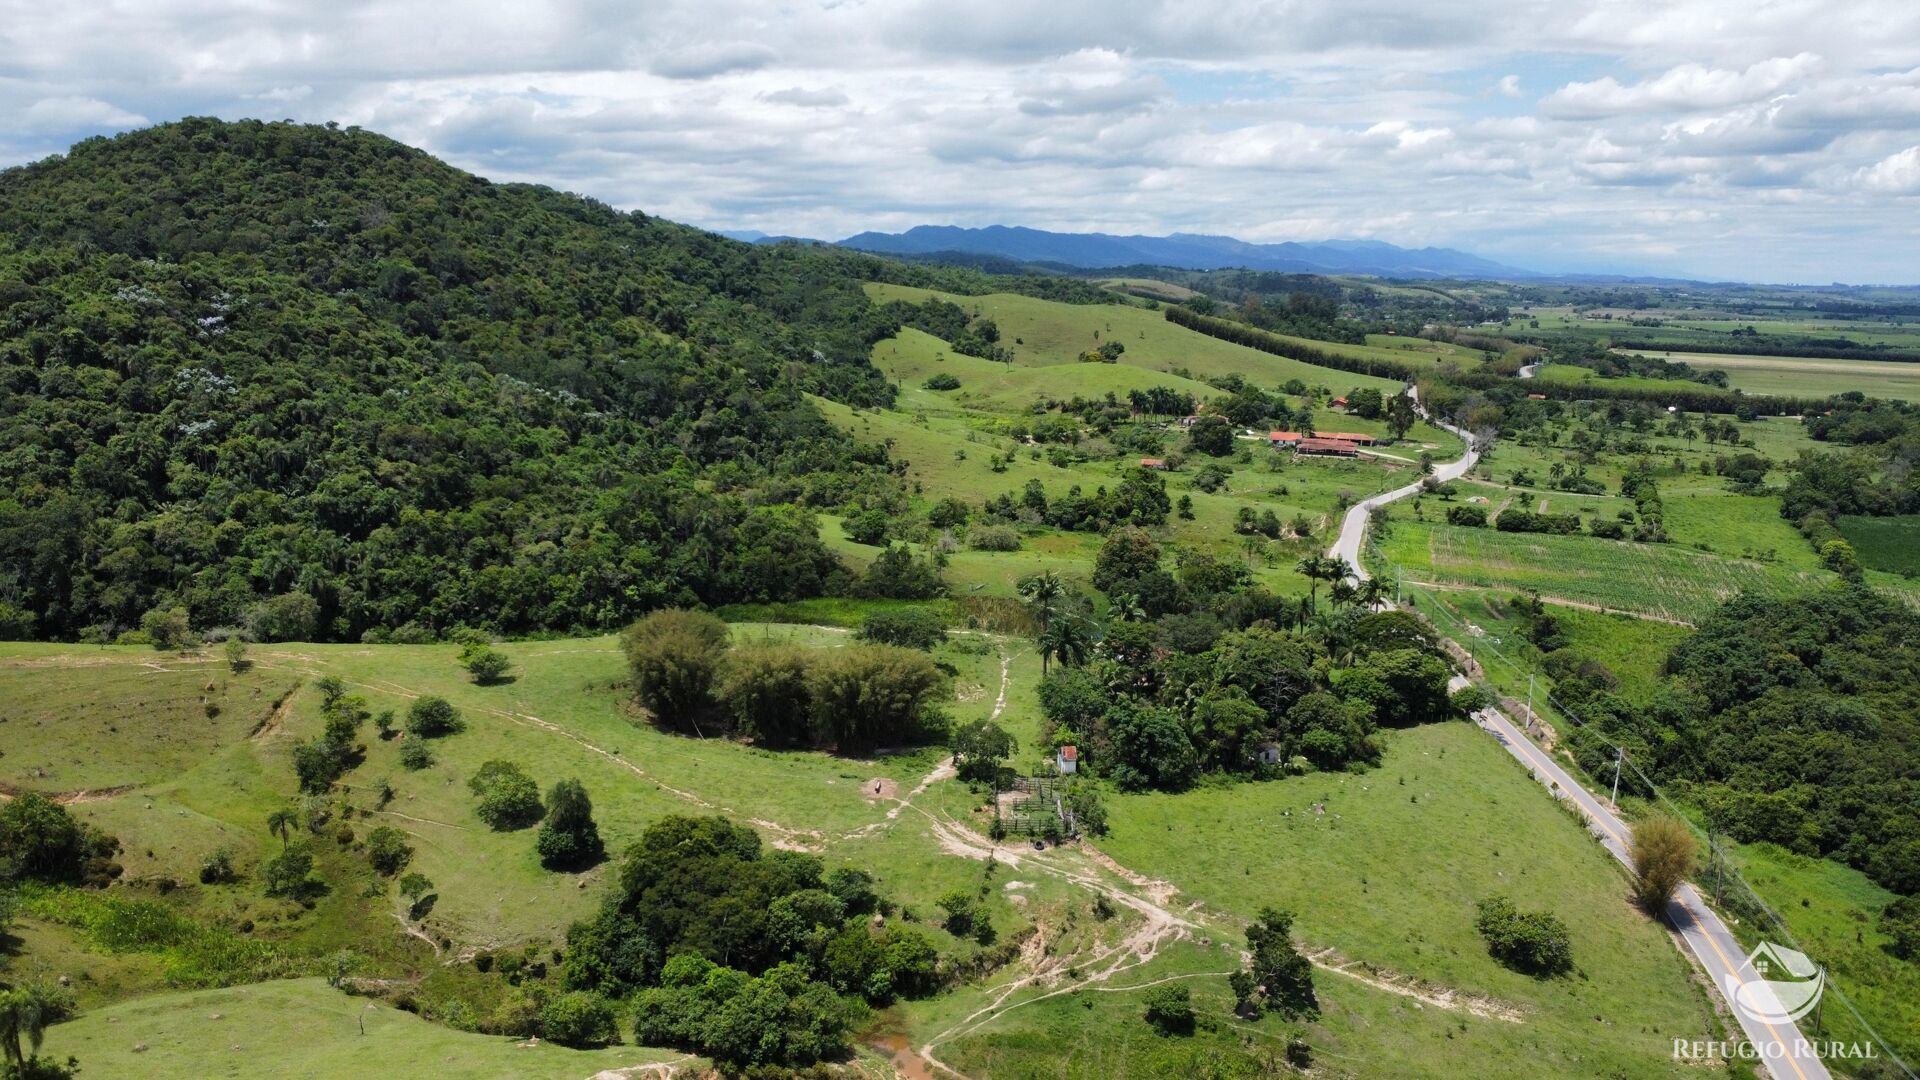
(1067, 759)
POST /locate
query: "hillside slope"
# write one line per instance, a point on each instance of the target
(247, 361)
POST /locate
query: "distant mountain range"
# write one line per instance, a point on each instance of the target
(1186, 251)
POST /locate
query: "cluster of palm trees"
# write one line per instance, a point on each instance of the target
(1344, 589)
(1065, 635)
(1068, 632)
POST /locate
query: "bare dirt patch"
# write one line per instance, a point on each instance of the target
(879, 788)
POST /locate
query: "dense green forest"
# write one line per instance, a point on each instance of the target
(315, 382)
(1788, 720)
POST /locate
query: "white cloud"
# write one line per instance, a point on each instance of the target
(1896, 174)
(1684, 88)
(1338, 118)
(70, 113)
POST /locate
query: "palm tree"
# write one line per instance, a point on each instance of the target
(25, 1012)
(1126, 608)
(1372, 591)
(281, 822)
(1066, 641)
(1041, 592)
(1342, 592)
(1313, 567)
(1338, 568)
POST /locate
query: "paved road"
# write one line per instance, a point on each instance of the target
(1787, 1053)
(1353, 529)
(1528, 371)
(1713, 946)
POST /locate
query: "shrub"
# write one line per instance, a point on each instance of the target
(1170, 1009)
(388, 851)
(1473, 517)
(290, 617)
(285, 874)
(415, 756)
(509, 799)
(486, 664)
(1530, 942)
(941, 381)
(765, 686)
(979, 748)
(1470, 699)
(912, 628)
(217, 867)
(868, 695)
(431, 717)
(166, 628)
(993, 538)
(579, 1018)
(235, 651)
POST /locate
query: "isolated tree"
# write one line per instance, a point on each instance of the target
(431, 717)
(1170, 1009)
(387, 850)
(236, 653)
(282, 822)
(485, 663)
(979, 748)
(569, 840)
(39, 838)
(1277, 978)
(1663, 852)
(675, 657)
(508, 797)
(285, 875)
(416, 888)
(1042, 592)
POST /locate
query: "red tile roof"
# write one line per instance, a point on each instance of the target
(1331, 446)
(1153, 463)
(1069, 753)
(1345, 436)
(1286, 436)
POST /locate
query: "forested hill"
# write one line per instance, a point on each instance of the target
(316, 379)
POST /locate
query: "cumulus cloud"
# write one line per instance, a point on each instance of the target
(1342, 118)
(1896, 174)
(1687, 87)
(69, 113)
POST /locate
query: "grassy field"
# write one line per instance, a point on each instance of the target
(1660, 580)
(564, 714)
(1891, 544)
(1043, 332)
(1390, 871)
(1808, 376)
(303, 1028)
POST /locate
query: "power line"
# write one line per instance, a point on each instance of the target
(1766, 910)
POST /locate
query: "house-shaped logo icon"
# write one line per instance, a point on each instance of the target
(1776, 985)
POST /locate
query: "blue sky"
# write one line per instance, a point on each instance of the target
(1760, 140)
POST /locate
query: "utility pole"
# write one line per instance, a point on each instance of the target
(1618, 753)
(1530, 721)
